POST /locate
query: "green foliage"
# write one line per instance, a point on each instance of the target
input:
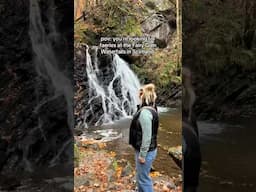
(162, 68)
(141, 73)
(132, 27)
(122, 17)
(224, 34)
(111, 18)
(76, 155)
(115, 165)
(169, 74)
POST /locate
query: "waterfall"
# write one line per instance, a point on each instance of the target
(51, 83)
(46, 63)
(118, 97)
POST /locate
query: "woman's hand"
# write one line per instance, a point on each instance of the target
(142, 160)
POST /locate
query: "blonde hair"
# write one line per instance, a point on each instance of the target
(148, 94)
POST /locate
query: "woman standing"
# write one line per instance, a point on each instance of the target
(143, 137)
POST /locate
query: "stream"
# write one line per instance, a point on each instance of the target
(169, 135)
(228, 156)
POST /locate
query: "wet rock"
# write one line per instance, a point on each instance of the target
(78, 131)
(3, 153)
(98, 137)
(127, 170)
(68, 186)
(111, 175)
(82, 180)
(9, 183)
(113, 187)
(171, 185)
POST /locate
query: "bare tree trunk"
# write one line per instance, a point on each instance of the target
(179, 31)
(178, 17)
(79, 7)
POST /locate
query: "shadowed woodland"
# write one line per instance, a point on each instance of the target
(219, 44)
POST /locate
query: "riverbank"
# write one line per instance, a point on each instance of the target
(99, 169)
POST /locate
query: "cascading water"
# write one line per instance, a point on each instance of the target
(46, 62)
(43, 37)
(129, 83)
(117, 97)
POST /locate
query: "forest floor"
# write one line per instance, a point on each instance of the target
(100, 170)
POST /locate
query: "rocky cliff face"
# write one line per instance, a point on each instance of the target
(160, 21)
(161, 24)
(88, 112)
(35, 134)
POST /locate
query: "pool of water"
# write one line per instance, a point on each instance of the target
(228, 152)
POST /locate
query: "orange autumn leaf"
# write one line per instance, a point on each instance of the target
(118, 171)
(155, 174)
(112, 154)
(102, 145)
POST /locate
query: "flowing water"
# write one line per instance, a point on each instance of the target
(43, 37)
(45, 60)
(228, 152)
(118, 99)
